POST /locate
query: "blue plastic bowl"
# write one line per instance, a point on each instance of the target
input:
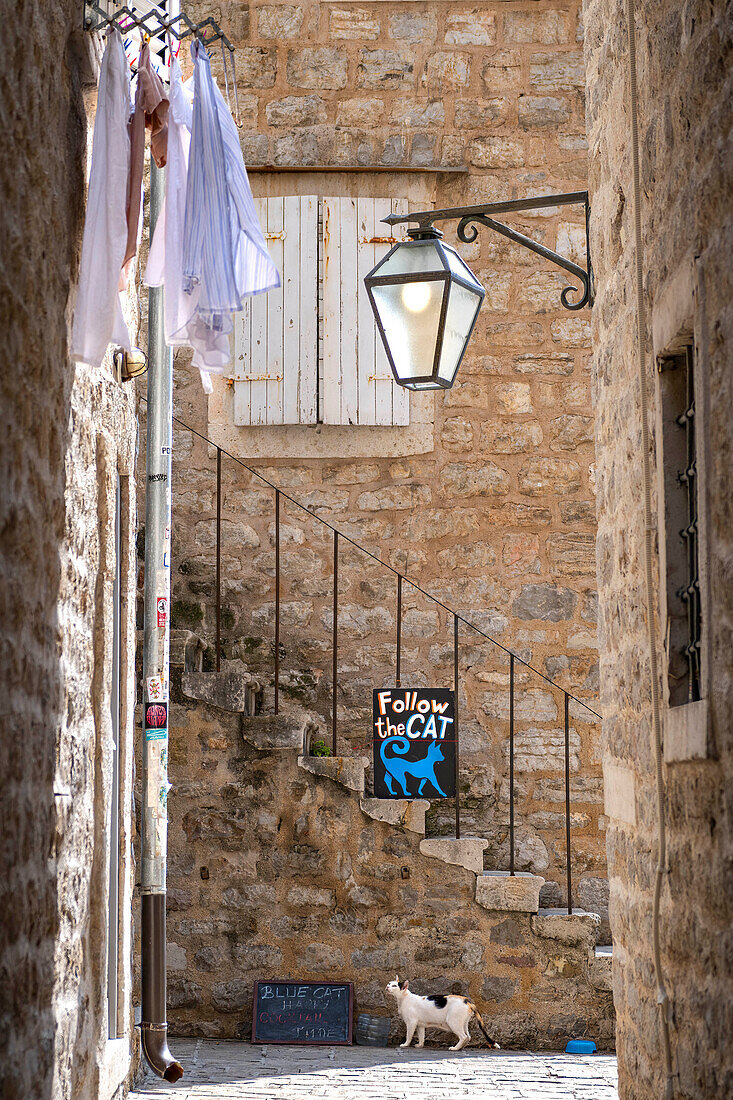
(581, 1046)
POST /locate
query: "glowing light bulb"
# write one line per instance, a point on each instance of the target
(416, 296)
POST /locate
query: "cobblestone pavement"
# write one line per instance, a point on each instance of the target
(239, 1071)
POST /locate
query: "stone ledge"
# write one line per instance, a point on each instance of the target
(346, 770)
(518, 893)
(467, 852)
(576, 928)
(398, 811)
(228, 690)
(600, 968)
(286, 730)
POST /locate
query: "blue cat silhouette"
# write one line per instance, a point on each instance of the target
(424, 769)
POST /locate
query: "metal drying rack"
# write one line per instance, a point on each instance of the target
(157, 22)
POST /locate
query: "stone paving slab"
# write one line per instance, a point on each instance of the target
(228, 1070)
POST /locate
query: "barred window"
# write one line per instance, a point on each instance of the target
(681, 524)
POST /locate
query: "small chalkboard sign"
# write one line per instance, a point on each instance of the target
(318, 1013)
(415, 741)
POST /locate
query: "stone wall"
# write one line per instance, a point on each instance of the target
(67, 431)
(684, 97)
(276, 872)
(497, 519)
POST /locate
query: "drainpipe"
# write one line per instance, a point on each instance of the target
(156, 647)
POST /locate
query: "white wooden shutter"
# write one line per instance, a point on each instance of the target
(358, 387)
(276, 335)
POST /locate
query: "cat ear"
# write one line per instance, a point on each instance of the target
(404, 984)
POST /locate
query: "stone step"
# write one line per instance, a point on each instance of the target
(231, 689)
(578, 928)
(398, 811)
(290, 729)
(601, 967)
(349, 771)
(518, 893)
(467, 852)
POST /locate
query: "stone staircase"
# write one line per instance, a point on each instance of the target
(568, 941)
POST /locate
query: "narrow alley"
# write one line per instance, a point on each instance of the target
(242, 1071)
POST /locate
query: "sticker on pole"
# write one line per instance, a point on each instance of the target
(156, 716)
(162, 606)
(157, 689)
(414, 743)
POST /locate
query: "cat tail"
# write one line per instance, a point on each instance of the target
(480, 1022)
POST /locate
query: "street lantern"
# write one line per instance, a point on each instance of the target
(425, 301)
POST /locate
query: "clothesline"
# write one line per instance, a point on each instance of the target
(208, 251)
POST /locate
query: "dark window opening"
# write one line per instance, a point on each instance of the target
(681, 485)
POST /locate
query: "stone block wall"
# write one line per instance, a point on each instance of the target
(684, 79)
(497, 519)
(275, 872)
(67, 432)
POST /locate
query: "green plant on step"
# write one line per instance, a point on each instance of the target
(320, 748)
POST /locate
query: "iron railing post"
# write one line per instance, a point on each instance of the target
(398, 678)
(334, 672)
(455, 725)
(277, 601)
(218, 559)
(567, 801)
(511, 763)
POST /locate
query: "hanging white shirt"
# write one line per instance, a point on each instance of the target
(98, 318)
(165, 261)
(225, 255)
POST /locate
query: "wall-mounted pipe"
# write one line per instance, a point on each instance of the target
(156, 646)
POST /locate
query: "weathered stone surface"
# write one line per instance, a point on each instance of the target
(397, 811)
(384, 69)
(540, 476)
(496, 152)
(502, 70)
(256, 67)
(470, 28)
(464, 479)
(579, 928)
(466, 852)
(395, 496)
(296, 110)
(544, 27)
(456, 434)
(477, 114)
(448, 70)
(317, 67)
(418, 112)
(519, 893)
(545, 601)
(346, 770)
(414, 26)
(600, 970)
(570, 431)
(351, 23)
(553, 72)
(279, 21)
(287, 730)
(228, 690)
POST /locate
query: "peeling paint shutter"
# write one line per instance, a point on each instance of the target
(276, 335)
(358, 387)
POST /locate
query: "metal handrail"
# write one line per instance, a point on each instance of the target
(401, 577)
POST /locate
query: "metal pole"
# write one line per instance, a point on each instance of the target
(334, 717)
(455, 724)
(218, 559)
(156, 646)
(511, 763)
(399, 631)
(277, 601)
(567, 800)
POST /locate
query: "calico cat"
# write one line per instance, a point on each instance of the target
(424, 769)
(450, 1013)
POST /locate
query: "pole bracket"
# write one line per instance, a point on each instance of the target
(470, 217)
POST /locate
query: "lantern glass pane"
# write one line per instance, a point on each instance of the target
(461, 269)
(415, 258)
(409, 314)
(462, 308)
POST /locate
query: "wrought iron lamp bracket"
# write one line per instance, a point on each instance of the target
(470, 217)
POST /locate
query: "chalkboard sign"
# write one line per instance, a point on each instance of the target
(319, 1013)
(414, 743)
